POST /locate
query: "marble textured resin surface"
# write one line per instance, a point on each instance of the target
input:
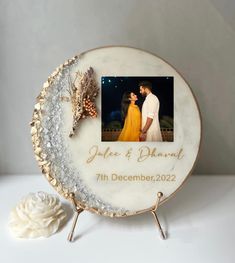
(70, 156)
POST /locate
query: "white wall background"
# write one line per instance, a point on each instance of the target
(197, 37)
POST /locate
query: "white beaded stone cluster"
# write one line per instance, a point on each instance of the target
(55, 149)
(37, 215)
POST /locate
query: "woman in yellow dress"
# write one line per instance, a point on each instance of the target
(132, 116)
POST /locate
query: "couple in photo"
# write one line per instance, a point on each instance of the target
(144, 125)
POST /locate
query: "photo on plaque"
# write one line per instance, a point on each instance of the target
(137, 108)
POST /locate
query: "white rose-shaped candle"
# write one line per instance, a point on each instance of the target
(37, 215)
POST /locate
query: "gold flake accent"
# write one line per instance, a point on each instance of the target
(41, 158)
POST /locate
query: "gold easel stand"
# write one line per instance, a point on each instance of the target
(154, 213)
(79, 210)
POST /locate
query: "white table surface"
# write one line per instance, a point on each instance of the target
(199, 219)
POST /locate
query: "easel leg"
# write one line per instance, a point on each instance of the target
(78, 212)
(154, 213)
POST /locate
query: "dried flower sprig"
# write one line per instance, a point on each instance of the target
(83, 91)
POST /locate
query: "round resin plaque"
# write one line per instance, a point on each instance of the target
(116, 125)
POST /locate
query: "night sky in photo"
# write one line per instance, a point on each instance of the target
(114, 87)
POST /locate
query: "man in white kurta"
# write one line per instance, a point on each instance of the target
(150, 109)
